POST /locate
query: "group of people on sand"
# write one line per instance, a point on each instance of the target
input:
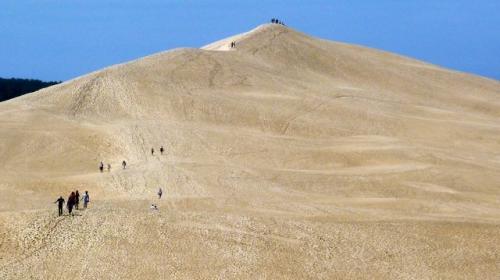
(162, 150)
(101, 167)
(73, 202)
(277, 21)
(154, 206)
(233, 45)
(74, 197)
(108, 166)
(124, 163)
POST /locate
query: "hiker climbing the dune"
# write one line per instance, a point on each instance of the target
(101, 167)
(60, 204)
(160, 192)
(152, 151)
(77, 199)
(161, 150)
(124, 164)
(71, 203)
(86, 199)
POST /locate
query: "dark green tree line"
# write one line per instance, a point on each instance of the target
(10, 88)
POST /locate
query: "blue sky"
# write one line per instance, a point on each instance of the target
(63, 39)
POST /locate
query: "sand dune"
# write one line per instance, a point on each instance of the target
(287, 157)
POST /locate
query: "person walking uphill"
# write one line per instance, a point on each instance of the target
(77, 199)
(71, 203)
(160, 192)
(152, 151)
(60, 203)
(101, 167)
(86, 199)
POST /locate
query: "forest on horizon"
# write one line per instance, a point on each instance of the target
(14, 87)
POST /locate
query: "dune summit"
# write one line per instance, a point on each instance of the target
(286, 157)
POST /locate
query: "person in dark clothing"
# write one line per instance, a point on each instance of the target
(124, 164)
(71, 203)
(161, 150)
(101, 167)
(60, 203)
(152, 151)
(77, 199)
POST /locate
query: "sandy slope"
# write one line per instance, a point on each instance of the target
(287, 157)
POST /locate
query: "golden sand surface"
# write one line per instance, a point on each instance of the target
(287, 157)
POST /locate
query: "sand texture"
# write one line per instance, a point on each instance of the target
(287, 157)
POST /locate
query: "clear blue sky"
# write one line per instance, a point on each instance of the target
(63, 39)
